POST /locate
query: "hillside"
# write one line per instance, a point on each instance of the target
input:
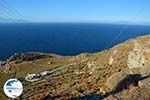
(119, 73)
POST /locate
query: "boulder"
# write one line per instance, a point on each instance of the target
(110, 97)
(49, 63)
(139, 59)
(144, 83)
(114, 80)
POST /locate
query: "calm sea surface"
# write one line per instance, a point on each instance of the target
(62, 38)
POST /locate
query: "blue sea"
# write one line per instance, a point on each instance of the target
(63, 38)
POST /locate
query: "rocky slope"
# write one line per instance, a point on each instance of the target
(120, 73)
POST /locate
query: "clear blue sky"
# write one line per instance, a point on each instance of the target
(128, 11)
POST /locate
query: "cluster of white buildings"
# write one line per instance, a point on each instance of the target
(36, 77)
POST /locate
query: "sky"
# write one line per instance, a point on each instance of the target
(96, 11)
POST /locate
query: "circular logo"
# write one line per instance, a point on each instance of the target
(13, 88)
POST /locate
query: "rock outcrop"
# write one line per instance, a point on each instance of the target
(113, 57)
(139, 59)
(114, 80)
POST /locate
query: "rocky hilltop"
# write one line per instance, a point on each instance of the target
(119, 73)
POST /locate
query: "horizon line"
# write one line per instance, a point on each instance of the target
(84, 22)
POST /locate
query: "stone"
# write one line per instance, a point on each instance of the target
(144, 83)
(113, 57)
(114, 80)
(139, 59)
(49, 63)
(102, 90)
(111, 97)
(91, 67)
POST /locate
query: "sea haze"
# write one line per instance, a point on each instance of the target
(62, 38)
